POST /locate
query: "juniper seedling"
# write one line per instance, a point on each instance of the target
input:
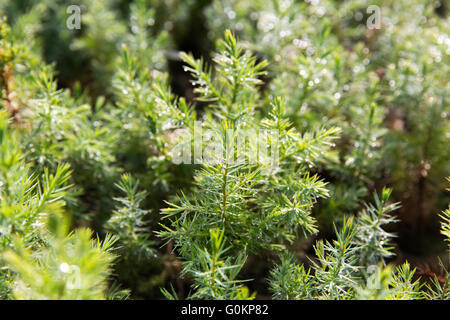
(255, 206)
(342, 269)
(128, 222)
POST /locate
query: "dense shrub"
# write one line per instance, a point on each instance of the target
(224, 150)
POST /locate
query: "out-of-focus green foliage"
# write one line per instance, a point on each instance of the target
(40, 259)
(68, 267)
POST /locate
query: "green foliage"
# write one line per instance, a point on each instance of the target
(214, 275)
(290, 281)
(40, 258)
(129, 166)
(257, 205)
(445, 221)
(128, 222)
(439, 289)
(337, 269)
(69, 266)
(352, 266)
(373, 240)
(388, 284)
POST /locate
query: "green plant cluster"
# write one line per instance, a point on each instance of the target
(348, 197)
